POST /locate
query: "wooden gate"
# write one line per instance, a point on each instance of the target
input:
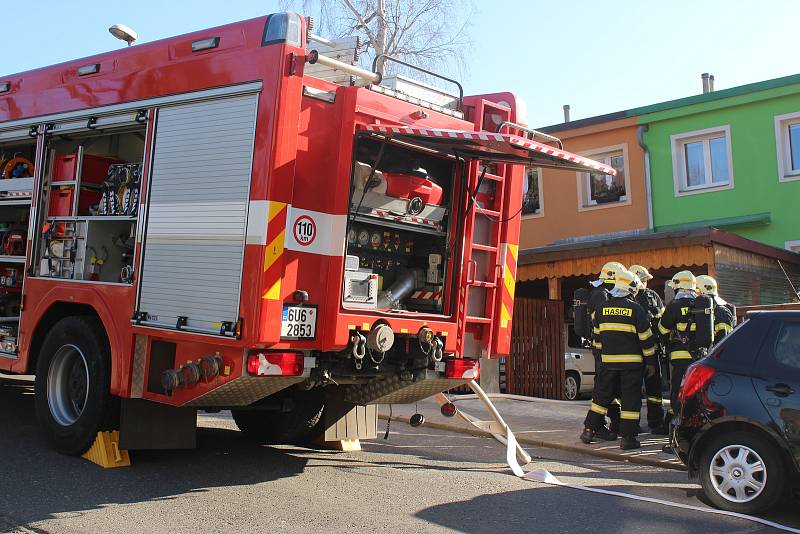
(535, 366)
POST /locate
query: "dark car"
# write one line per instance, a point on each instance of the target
(739, 425)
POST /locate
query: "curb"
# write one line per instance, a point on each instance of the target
(547, 444)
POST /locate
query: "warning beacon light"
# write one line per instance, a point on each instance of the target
(123, 33)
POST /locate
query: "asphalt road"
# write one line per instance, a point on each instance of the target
(418, 480)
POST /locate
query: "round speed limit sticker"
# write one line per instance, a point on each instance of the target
(305, 230)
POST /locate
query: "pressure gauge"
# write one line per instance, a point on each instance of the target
(376, 240)
(352, 235)
(363, 238)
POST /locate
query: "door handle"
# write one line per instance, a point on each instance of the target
(781, 390)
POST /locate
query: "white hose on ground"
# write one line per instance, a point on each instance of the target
(513, 450)
(544, 476)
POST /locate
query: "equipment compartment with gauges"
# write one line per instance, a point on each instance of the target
(397, 246)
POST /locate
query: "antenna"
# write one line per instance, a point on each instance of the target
(794, 290)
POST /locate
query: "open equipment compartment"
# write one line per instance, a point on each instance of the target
(92, 182)
(17, 157)
(398, 246)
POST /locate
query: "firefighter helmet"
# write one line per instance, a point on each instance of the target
(625, 281)
(642, 272)
(610, 270)
(684, 280)
(706, 285)
(638, 285)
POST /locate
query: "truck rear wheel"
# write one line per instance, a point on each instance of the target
(73, 377)
(292, 426)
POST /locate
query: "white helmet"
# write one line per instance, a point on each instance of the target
(684, 280)
(626, 281)
(642, 272)
(706, 285)
(610, 270)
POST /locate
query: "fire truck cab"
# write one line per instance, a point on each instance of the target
(240, 218)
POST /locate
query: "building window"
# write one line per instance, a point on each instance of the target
(602, 190)
(787, 139)
(531, 192)
(702, 161)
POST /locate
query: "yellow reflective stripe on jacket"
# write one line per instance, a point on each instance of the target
(649, 352)
(596, 408)
(660, 313)
(617, 327)
(647, 334)
(680, 355)
(630, 416)
(662, 329)
(654, 400)
(597, 344)
(596, 330)
(621, 358)
(723, 327)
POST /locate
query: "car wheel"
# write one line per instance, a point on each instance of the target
(72, 388)
(742, 472)
(572, 386)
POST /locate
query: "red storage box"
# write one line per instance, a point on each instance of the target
(409, 186)
(95, 168)
(61, 201)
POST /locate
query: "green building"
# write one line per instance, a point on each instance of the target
(728, 159)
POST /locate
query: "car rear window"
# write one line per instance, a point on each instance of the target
(573, 341)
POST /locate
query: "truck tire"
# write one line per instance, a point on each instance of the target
(742, 472)
(72, 388)
(293, 426)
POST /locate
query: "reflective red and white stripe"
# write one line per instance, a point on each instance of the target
(407, 219)
(426, 295)
(514, 140)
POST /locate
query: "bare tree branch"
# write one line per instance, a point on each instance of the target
(433, 34)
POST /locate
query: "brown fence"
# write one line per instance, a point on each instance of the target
(535, 366)
(741, 311)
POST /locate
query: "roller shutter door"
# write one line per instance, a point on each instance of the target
(197, 217)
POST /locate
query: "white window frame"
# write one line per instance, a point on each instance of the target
(585, 203)
(782, 123)
(540, 213)
(793, 245)
(679, 177)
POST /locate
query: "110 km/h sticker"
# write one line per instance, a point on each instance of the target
(305, 230)
(299, 322)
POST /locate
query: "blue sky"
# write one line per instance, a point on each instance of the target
(597, 56)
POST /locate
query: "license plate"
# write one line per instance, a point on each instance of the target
(299, 322)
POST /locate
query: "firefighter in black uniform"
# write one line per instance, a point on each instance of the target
(724, 313)
(598, 295)
(654, 306)
(627, 345)
(678, 328)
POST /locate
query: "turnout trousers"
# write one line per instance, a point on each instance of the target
(676, 377)
(653, 391)
(614, 409)
(628, 383)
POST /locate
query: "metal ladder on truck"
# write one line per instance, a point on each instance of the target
(484, 255)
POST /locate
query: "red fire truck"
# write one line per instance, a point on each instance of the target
(240, 218)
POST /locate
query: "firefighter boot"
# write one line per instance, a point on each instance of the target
(590, 436)
(660, 430)
(629, 443)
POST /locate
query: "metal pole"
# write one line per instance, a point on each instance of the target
(314, 57)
